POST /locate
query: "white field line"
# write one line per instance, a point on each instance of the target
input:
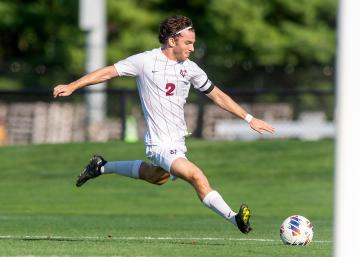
(147, 238)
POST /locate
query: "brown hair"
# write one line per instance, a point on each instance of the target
(171, 25)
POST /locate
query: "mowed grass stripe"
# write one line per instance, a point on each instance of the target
(82, 238)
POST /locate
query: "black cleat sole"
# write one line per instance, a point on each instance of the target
(243, 219)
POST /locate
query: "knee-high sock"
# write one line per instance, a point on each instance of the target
(124, 168)
(215, 202)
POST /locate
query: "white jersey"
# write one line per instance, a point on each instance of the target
(163, 87)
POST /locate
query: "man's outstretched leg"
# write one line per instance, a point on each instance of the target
(136, 169)
(188, 171)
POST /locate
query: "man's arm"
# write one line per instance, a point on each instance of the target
(95, 77)
(225, 102)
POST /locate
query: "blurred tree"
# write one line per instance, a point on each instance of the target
(279, 42)
(247, 43)
(39, 42)
(132, 28)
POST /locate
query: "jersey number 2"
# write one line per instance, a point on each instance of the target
(170, 87)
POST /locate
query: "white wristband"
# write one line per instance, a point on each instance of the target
(248, 118)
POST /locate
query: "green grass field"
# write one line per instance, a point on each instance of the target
(42, 213)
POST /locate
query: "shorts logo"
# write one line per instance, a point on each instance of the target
(173, 151)
(183, 73)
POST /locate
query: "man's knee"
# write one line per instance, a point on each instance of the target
(198, 178)
(153, 174)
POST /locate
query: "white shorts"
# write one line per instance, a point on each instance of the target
(163, 156)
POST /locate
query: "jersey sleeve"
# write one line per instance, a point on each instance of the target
(200, 80)
(130, 66)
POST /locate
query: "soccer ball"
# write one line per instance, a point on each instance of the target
(296, 230)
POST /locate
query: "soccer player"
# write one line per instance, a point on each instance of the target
(164, 76)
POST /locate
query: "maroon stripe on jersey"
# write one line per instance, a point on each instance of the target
(161, 107)
(150, 105)
(177, 95)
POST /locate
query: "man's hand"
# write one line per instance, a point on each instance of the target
(62, 90)
(261, 126)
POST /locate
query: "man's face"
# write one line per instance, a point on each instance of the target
(184, 45)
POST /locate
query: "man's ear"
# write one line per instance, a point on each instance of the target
(171, 42)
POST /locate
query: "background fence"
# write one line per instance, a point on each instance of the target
(34, 116)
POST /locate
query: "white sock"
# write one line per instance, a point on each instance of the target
(124, 168)
(215, 202)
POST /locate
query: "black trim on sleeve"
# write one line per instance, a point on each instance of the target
(204, 84)
(207, 91)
